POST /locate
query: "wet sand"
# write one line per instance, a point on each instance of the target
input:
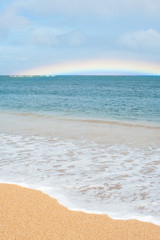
(107, 132)
(31, 215)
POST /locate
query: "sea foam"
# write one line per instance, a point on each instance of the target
(121, 180)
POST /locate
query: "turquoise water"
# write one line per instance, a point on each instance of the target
(131, 98)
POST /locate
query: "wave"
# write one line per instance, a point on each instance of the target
(119, 180)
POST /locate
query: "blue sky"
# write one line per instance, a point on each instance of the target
(35, 33)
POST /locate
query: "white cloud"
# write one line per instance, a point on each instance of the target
(44, 31)
(43, 36)
(17, 29)
(148, 40)
(9, 19)
(74, 38)
(100, 8)
(48, 36)
(66, 7)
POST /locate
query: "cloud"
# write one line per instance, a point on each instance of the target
(148, 40)
(99, 8)
(43, 36)
(18, 27)
(74, 38)
(47, 36)
(65, 7)
(9, 20)
(44, 31)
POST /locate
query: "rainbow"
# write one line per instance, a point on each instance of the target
(96, 67)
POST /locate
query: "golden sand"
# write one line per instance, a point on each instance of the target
(31, 215)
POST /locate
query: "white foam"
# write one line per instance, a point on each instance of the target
(119, 180)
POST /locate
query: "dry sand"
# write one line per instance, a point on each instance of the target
(31, 215)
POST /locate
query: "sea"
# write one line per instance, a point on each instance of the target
(91, 142)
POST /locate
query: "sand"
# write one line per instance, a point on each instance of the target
(91, 130)
(31, 215)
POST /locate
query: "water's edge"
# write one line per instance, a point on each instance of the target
(62, 201)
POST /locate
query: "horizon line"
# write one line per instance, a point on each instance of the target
(54, 75)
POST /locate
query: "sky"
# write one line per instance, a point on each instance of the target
(42, 34)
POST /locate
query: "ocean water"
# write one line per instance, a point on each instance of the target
(91, 142)
(101, 97)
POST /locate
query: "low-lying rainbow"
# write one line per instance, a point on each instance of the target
(100, 66)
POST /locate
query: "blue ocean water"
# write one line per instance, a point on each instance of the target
(131, 98)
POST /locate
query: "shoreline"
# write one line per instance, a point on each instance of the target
(64, 202)
(119, 132)
(82, 118)
(30, 214)
(18, 169)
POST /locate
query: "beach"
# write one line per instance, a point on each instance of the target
(29, 214)
(93, 166)
(89, 148)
